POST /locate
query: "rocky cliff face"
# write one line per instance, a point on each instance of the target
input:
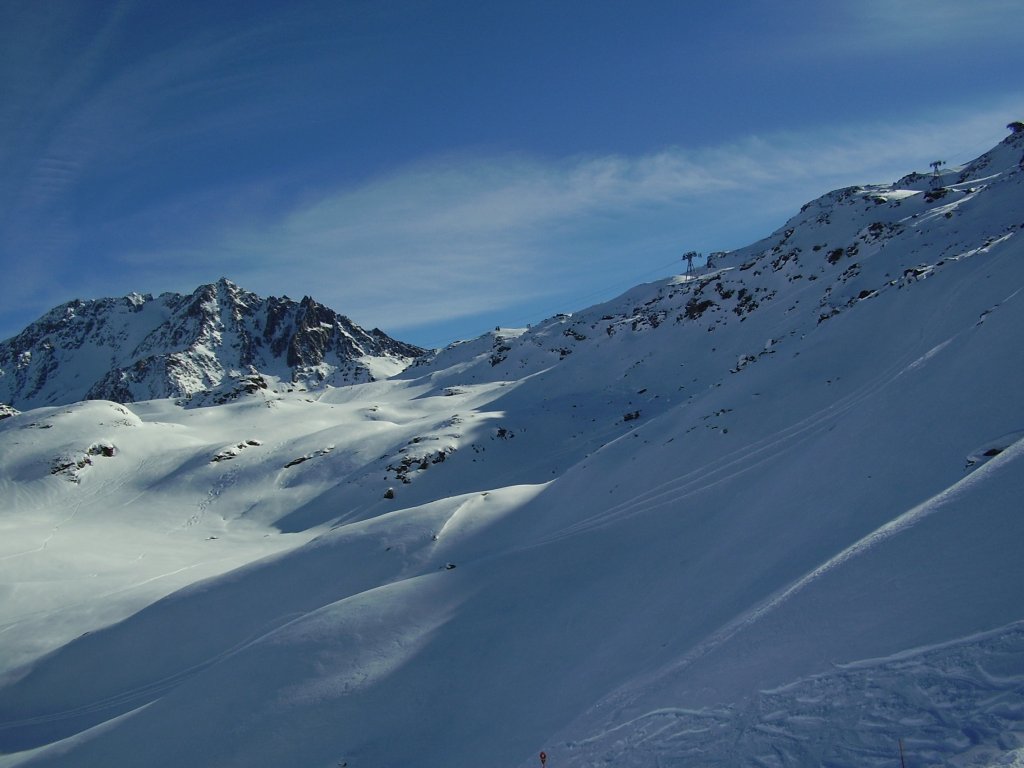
(214, 340)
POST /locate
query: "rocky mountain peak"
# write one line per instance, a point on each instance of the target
(184, 345)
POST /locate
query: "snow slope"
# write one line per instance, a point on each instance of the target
(766, 514)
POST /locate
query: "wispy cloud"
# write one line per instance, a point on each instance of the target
(457, 236)
(914, 22)
(868, 32)
(469, 235)
(92, 106)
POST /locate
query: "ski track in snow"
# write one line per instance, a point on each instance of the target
(733, 464)
(145, 694)
(752, 455)
(223, 484)
(14, 621)
(876, 537)
(960, 695)
(90, 497)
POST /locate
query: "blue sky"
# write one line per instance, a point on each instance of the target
(437, 168)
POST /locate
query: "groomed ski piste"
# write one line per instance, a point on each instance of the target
(768, 514)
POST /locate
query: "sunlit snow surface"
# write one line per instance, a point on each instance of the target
(768, 514)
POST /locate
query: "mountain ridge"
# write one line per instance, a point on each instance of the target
(219, 337)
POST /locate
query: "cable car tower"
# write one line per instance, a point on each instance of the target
(688, 257)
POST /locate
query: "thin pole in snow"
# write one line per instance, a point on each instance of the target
(903, 763)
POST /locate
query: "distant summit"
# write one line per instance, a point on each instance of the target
(210, 344)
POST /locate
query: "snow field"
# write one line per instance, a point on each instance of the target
(780, 528)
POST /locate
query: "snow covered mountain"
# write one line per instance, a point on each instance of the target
(220, 337)
(764, 514)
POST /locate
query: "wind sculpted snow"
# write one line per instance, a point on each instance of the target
(764, 514)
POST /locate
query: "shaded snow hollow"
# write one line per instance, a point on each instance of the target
(766, 514)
